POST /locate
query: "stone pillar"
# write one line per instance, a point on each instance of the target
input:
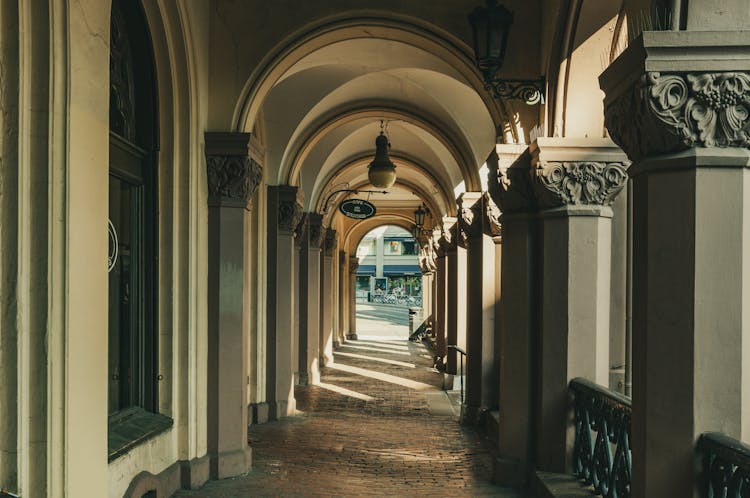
(510, 188)
(326, 298)
(448, 248)
(284, 214)
(684, 123)
(438, 324)
(232, 179)
(309, 336)
(576, 181)
(352, 298)
(343, 277)
(492, 292)
(472, 238)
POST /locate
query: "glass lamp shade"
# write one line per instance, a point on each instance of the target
(490, 26)
(382, 171)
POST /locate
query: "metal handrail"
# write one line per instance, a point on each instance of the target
(607, 414)
(463, 353)
(4, 493)
(726, 465)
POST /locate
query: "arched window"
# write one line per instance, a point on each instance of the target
(132, 216)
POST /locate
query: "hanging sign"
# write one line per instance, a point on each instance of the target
(359, 209)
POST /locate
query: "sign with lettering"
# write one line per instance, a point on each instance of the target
(359, 209)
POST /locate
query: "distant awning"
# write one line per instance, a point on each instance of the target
(366, 270)
(401, 270)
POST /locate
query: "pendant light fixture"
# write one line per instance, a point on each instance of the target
(381, 171)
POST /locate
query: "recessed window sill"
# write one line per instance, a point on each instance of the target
(129, 428)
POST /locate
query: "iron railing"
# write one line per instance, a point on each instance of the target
(601, 454)
(726, 466)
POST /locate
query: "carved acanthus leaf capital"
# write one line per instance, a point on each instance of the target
(665, 113)
(316, 233)
(509, 185)
(233, 178)
(290, 215)
(492, 213)
(579, 183)
(353, 265)
(331, 241)
(469, 219)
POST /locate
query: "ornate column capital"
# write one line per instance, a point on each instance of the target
(447, 240)
(290, 215)
(315, 230)
(491, 217)
(300, 229)
(331, 242)
(469, 216)
(233, 175)
(577, 171)
(353, 265)
(657, 103)
(509, 178)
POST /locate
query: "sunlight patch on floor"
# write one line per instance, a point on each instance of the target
(392, 379)
(345, 391)
(376, 350)
(380, 345)
(373, 358)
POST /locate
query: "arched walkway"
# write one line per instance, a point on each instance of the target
(377, 424)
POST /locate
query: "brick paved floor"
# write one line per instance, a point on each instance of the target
(372, 428)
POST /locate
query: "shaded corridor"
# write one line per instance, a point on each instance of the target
(378, 425)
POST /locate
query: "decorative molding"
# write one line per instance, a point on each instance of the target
(331, 242)
(233, 178)
(491, 222)
(509, 185)
(670, 112)
(579, 182)
(530, 92)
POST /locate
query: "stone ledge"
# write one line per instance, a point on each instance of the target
(550, 485)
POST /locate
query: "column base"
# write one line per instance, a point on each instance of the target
(507, 472)
(352, 336)
(336, 344)
(285, 408)
(259, 413)
(302, 379)
(194, 473)
(472, 415)
(230, 463)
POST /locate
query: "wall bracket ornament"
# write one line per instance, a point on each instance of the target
(671, 112)
(579, 183)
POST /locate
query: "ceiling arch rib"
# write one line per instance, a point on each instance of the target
(454, 153)
(355, 232)
(353, 26)
(429, 189)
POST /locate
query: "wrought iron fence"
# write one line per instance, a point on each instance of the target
(394, 299)
(601, 454)
(726, 466)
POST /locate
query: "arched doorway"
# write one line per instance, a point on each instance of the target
(388, 283)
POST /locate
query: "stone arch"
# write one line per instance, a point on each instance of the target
(460, 152)
(353, 25)
(354, 235)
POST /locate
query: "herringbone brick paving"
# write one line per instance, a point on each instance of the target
(378, 439)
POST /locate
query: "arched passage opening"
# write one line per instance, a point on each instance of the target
(388, 283)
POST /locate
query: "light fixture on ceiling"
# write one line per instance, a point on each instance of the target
(382, 171)
(490, 26)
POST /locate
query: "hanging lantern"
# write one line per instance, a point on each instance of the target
(490, 25)
(382, 171)
(419, 216)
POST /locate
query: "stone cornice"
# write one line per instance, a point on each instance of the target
(469, 216)
(577, 172)
(671, 91)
